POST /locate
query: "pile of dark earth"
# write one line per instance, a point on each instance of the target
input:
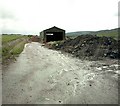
(90, 47)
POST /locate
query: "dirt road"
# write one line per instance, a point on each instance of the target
(44, 76)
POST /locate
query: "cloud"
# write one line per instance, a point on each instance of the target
(8, 20)
(5, 14)
(32, 16)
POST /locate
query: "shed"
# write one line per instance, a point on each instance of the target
(52, 34)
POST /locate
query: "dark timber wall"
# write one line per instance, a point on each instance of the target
(52, 34)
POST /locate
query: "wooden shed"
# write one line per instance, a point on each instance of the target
(52, 34)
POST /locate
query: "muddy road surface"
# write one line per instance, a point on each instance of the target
(45, 76)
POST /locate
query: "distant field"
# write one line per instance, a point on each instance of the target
(8, 38)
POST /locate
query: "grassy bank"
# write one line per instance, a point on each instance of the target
(12, 46)
(11, 52)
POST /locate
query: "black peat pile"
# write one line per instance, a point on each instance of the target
(90, 47)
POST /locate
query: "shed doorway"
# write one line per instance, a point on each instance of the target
(54, 36)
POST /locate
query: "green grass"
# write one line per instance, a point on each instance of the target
(8, 38)
(113, 34)
(13, 50)
(18, 48)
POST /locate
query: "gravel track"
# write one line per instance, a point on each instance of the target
(44, 76)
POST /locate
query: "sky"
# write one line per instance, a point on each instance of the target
(33, 16)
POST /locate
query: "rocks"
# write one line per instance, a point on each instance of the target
(90, 47)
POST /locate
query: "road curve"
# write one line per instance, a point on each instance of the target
(44, 76)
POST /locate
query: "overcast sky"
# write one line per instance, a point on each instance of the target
(33, 16)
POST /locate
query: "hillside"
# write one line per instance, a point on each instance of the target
(111, 33)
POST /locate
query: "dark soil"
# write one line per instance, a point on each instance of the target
(90, 47)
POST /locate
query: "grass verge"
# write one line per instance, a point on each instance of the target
(9, 52)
